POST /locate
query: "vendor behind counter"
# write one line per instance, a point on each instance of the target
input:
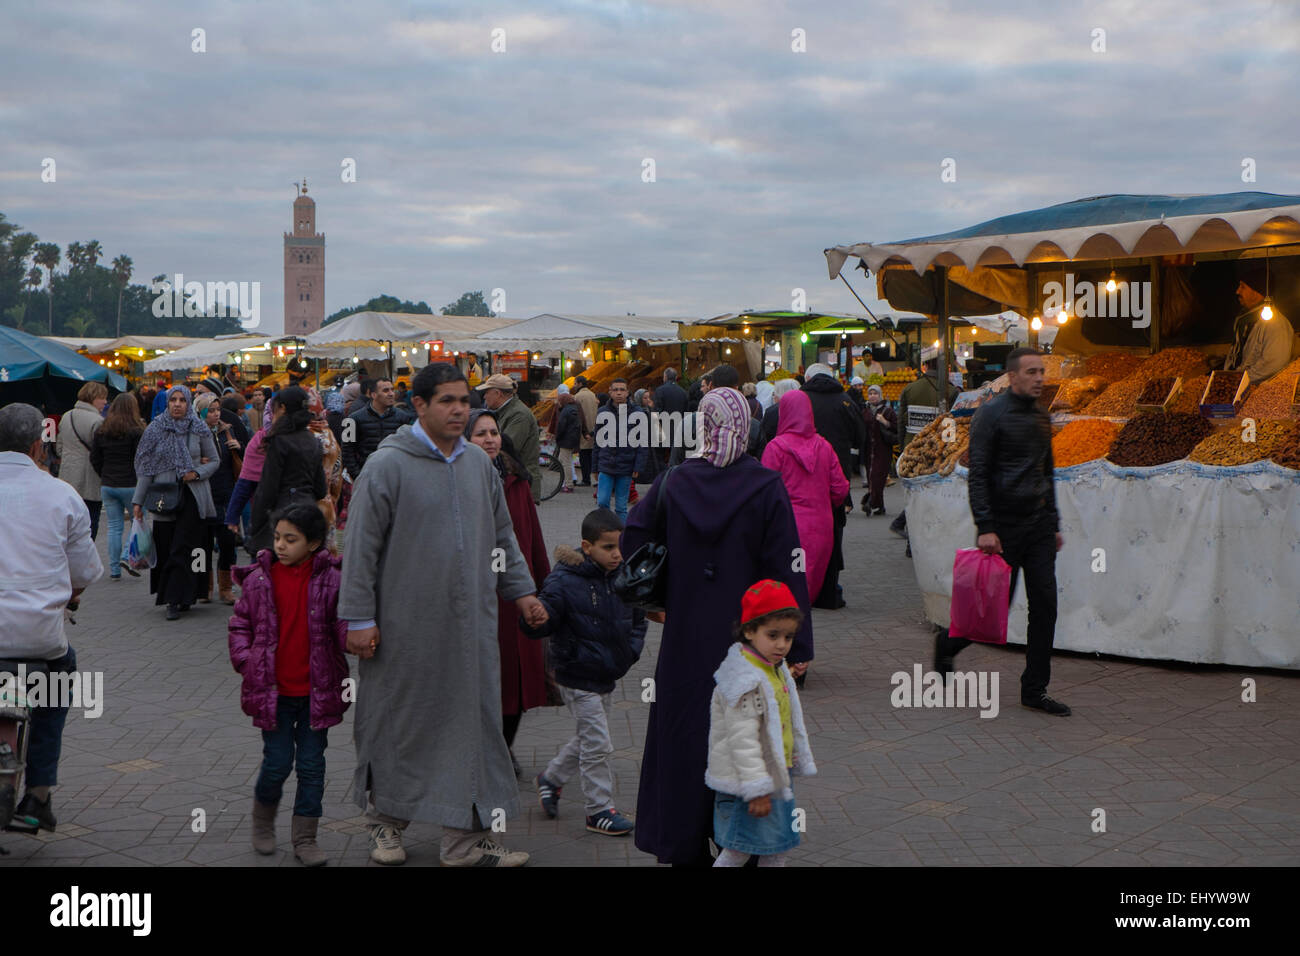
(1260, 346)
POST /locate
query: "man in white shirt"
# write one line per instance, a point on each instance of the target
(46, 559)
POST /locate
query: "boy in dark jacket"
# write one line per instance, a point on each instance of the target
(595, 640)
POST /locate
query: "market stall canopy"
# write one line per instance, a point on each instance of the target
(367, 328)
(75, 343)
(40, 372)
(216, 351)
(569, 333)
(148, 343)
(1099, 227)
(782, 319)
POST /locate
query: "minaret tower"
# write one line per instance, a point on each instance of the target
(304, 268)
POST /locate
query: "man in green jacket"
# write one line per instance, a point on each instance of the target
(517, 423)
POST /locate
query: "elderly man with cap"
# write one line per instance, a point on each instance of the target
(1261, 346)
(517, 423)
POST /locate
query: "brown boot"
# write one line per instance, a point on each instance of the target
(305, 849)
(225, 585)
(206, 596)
(264, 827)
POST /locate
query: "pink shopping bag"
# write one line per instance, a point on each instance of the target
(981, 591)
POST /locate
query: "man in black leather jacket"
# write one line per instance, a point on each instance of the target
(1013, 502)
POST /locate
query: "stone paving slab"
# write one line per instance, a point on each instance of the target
(1187, 774)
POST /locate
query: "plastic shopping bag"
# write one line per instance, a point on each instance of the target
(981, 592)
(139, 546)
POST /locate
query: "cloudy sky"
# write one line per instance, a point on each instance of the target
(523, 169)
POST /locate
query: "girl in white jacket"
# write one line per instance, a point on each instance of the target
(757, 739)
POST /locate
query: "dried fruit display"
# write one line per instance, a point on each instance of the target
(1157, 439)
(1155, 391)
(1286, 447)
(1189, 400)
(1118, 401)
(1113, 366)
(1272, 399)
(1083, 440)
(1223, 388)
(1172, 363)
(1228, 445)
(1077, 393)
(928, 453)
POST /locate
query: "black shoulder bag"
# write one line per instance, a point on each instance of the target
(642, 580)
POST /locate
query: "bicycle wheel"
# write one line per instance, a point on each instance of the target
(552, 476)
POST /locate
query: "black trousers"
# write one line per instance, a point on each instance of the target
(172, 579)
(584, 464)
(1030, 546)
(829, 597)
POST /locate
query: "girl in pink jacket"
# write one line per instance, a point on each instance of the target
(813, 478)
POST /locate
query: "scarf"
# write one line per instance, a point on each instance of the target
(165, 445)
(724, 420)
(795, 432)
(765, 392)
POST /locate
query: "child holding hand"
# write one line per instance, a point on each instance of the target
(757, 739)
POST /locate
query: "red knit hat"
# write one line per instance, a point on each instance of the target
(765, 597)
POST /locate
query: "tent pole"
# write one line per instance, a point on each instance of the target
(942, 275)
(1153, 298)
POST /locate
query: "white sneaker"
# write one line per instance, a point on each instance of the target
(487, 853)
(386, 845)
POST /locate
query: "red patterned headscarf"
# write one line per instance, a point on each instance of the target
(724, 416)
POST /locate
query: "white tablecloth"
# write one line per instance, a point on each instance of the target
(1202, 563)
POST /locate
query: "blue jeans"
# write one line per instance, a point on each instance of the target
(117, 503)
(293, 733)
(620, 485)
(46, 742)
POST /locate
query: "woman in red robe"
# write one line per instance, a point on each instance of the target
(523, 660)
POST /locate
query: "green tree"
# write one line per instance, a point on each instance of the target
(470, 303)
(80, 324)
(382, 303)
(15, 249)
(47, 257)
(122, 267)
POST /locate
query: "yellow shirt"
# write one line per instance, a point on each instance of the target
(782, 691)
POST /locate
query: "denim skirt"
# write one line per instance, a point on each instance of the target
(735, 828)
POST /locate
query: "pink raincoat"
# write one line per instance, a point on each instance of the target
(813, 478)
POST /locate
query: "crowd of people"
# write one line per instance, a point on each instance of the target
(374, 523)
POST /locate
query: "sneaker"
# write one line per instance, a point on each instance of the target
(611, 823)
(173, 612)
(879, 511)
(32, 815)
(386, 845)
(1046, 704)
(548, 795)
(115, 577)
(126, 566)
(566, 491)
(487, 852)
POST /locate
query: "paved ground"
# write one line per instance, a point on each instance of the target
(1185, 772)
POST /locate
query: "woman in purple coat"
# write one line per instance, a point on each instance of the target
(728, 524)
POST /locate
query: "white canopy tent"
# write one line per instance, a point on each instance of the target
(554, 332)
(368, 329)
(216, 351)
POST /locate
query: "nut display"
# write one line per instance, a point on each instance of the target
(1230, 445)
(928, 453)
(1189, 400)
(1272, 399)
(1118, 401)
(1286, 447)
(1076, 393)
(1157, 439)
(1085, 439)
(1113, 366)
(1121, 398)
(1172, 363)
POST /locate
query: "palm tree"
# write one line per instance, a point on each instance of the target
(92, 251)
(76, 255)
(80, 323)
(47, 256)
(122, 273)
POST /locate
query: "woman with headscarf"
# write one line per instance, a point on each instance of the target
(813, 478)
(292, 472)
(727, 523)
(177, 448)
(882, 433)
(764, 391)
(222, 484)
(772, 414)
(523, 660)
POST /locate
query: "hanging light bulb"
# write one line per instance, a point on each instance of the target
(403, 353)
(1266, 313)
(1035, 323)
(354, 359)
(728, 351)
(302, 362)
(247, 357)
(803, 337)
(1111, 284)
(1063, 316)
